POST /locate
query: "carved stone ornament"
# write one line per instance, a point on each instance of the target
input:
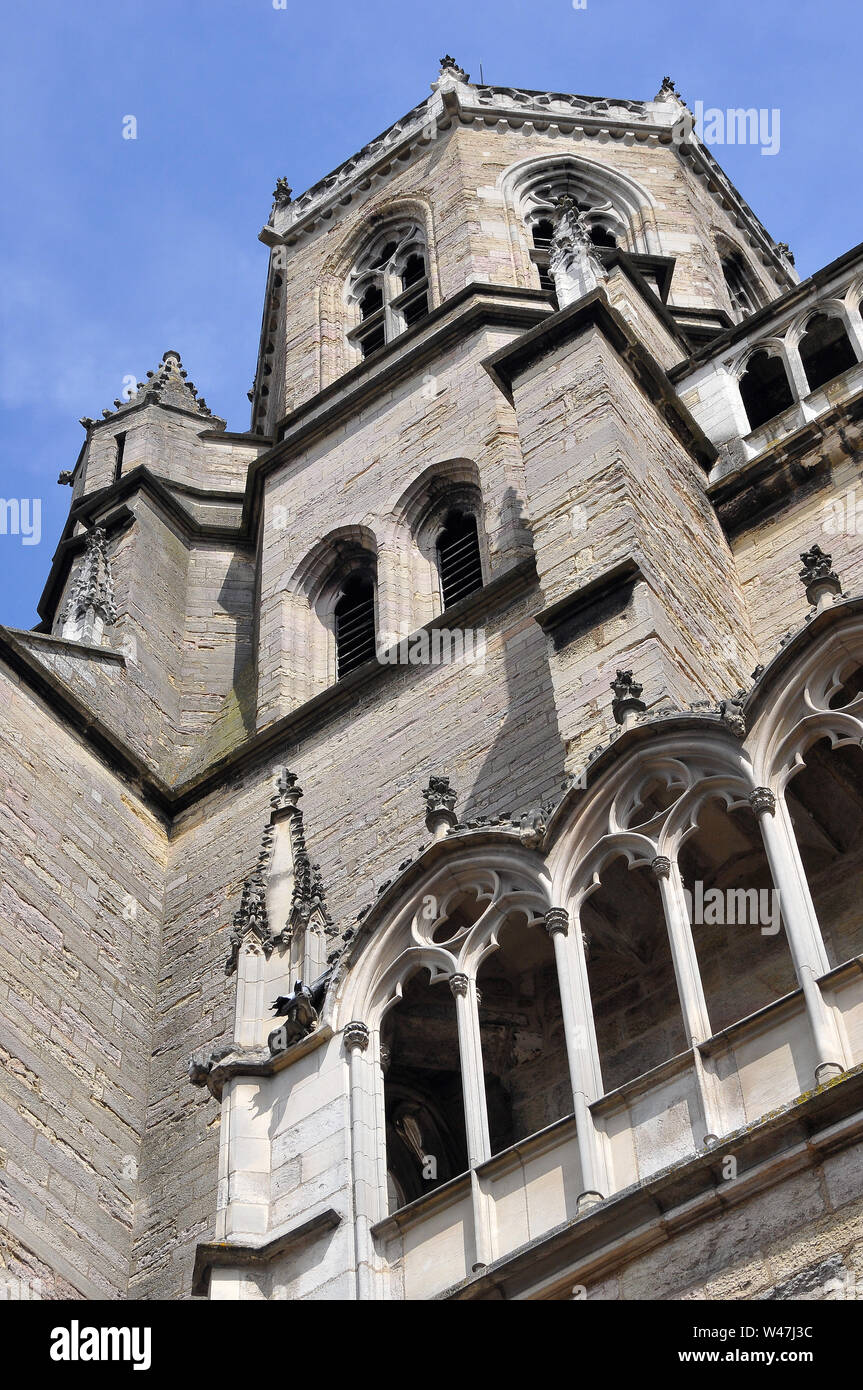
(439, 794)
(731, 713)
(308, 898)
(301, 1010)
(90, 606)
(557, 920)
(817, 577)
(762, 801)
(282, 193)
(627, 694)
(449, 66)
(459, 984)
(572, 260)
(661, 866)
(356, 1034)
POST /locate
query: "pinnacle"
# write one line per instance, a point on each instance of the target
(168, 384)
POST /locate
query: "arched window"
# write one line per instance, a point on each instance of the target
(740, 284)
(389, 288)
(764, 387)
(423, 1098)
(459, 563)
(825, 350)
(355, 622)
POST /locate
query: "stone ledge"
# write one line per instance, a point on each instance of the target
(648, 1214)
(210, 1255)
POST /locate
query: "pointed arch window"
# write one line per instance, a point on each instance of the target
(355, 622)
(389, 286)
(764, 388)
(740, 284)
(459, 561)
(825, 350)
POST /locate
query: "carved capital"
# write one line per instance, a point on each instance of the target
(459, 984)
(762, 801)
(356, 1034)
(660, 867)
(557, 920)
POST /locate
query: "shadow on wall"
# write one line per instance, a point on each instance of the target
(237, 717)
(525, 763)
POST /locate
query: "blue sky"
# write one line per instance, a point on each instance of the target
(113, 250)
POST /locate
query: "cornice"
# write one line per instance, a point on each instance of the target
(474, 307)
(464, 103)
(171, 799)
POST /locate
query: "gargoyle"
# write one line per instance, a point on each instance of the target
(300, 1010)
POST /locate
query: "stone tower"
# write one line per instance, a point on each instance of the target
(461, 765)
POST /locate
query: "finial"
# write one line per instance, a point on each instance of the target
(449, 64)
(440, 806)
(627, 701)
(822, 583)
(668, 89)
(282, 193)
(785, 250)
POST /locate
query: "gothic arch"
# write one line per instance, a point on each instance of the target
(505, 878)
(416, 518)
(309, 604)
(631, 210)
(800, 704)
(335, 317)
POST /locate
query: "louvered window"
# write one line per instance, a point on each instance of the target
(459, 558)
(355, 623)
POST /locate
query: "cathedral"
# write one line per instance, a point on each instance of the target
(432, 817)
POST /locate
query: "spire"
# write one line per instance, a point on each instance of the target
(90, 606)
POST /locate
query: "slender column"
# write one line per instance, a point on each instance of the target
(696, 1019)
(801, 927)
(693, 1005)
(473, 1080)
(581, 1051)
(475, 1109)
(363, 1154)
(799, 385)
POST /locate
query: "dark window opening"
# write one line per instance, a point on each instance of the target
(636, 1005)
(825, 802)
(120, 442)
(355, 623)
(459, 558)
(543, 231)
(601, 236)
(741, 290)
(527, 1083)
(374, 339)
(371, 301)
(415, 309)
(764, 388)
(423, 1099)
(737, 929)
(825, 350)
(415, 269)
